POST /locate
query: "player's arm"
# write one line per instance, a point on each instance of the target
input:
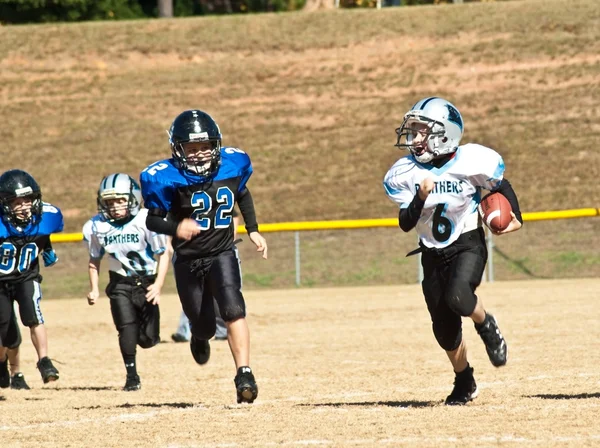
(162, 222)
(246, 206)
(236, 224)
(409, 216)
(153, 291)
(506, 189)
(49, 256)
(93, 273)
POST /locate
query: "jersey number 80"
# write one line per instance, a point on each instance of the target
(8, 257)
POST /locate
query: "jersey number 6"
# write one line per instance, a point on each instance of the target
(203, 204)
(442, 226)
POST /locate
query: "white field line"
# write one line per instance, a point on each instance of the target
(494, 439)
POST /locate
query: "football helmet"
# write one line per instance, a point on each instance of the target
(439, 123)
(192, 126)
(115, 186)
(16, 184)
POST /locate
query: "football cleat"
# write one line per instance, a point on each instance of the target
(465, 389)
(17, 382)
(132, 383)
(245, 385)
(495, 345)
(47, 370)
(178, 337)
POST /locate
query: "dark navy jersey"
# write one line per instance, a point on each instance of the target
(208, 200)
(21, 247)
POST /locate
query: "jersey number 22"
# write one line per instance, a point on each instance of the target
(203, 204)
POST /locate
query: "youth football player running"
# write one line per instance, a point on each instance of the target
(25, 227)
(191, 197)
(438, 188)
(138, 263)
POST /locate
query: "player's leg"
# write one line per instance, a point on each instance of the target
(148, 315)
(447, 329)
(466, 273)
(183, 332)
(124, 316)
(225, 281)
(17, 379)
(196, 301)
(6, 316)
(28, 295)
(221, 331)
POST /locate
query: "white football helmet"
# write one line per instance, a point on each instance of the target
(440, 124)
(115, 186)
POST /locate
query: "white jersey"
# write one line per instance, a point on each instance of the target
(131, 247)
(451, 207)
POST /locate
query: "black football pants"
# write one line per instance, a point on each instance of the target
(198, 281)
(450, 277)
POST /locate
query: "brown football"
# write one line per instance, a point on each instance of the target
(495, 211)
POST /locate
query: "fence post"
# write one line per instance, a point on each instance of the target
(297, 252)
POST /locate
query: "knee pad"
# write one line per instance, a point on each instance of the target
(461, 299)
(30, 323)
(230, 313)
(128, 338)
(448, 332)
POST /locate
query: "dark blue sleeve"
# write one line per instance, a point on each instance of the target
(156, 192)
(245, 170)
(52, 220)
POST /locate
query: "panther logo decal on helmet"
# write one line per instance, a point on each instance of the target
(432, 128)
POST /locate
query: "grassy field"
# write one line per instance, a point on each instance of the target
(336, 368)
(314, 98)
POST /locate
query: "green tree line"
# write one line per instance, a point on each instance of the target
(40, 11)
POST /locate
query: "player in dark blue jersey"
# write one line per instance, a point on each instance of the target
(191, 197)
(25, 227)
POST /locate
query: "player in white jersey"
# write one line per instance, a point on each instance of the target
(438, 188)
(138, 263)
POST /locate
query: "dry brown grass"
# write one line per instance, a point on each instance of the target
(336, 368)
(314, 98)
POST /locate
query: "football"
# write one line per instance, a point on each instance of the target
(495, 211)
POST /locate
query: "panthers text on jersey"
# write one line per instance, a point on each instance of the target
(209, 201)
(21, 247)
(451, 207)
(131, 246)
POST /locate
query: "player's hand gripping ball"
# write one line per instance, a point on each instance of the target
(495, 211)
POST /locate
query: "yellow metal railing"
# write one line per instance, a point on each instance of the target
(363, 223)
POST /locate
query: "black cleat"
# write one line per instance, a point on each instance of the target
(132, 383)
(245, 385)
(465, 389)
(17, 382)
(200, 350)
(47, 370)
(495, 345)
(178, 337)
(4, 375)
